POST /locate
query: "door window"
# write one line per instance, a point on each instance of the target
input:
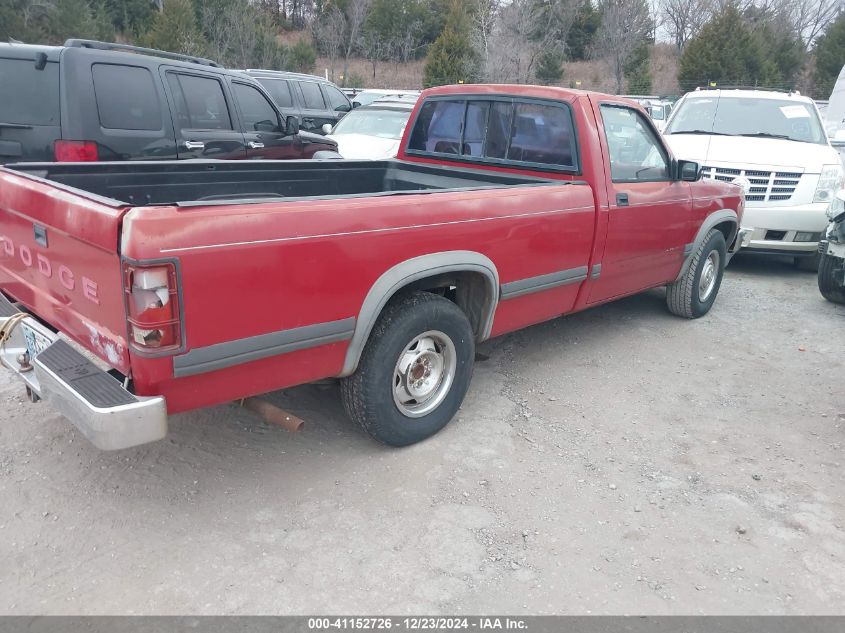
(126, 96)
(312, 95)
(279, 89)
(30, 96)
(200, 102)
(636, 155)
(336, 99)
(257, 112)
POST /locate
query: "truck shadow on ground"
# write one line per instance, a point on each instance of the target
(234, 443)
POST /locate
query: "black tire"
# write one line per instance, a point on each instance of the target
(683, 296)
(809, 264)
(830, 289)
(368, 394)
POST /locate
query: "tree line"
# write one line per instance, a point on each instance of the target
(767, 43)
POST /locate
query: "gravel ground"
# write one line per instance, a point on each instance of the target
(617, 461)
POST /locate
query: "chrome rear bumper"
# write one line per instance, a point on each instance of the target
(91, 399)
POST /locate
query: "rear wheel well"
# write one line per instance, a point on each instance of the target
(470, 291)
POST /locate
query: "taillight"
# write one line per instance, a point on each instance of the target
(75, 151)
(152, 307)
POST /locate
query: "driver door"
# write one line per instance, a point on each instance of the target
(262, 126)
(650, 214)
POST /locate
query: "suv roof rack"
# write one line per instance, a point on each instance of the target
(111, 46)
(750, 88)
(286, 73)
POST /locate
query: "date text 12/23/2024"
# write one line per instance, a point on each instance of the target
(417, 623)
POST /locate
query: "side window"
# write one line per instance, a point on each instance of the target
(542, 134)
(200, 103)
(438, 127)
(279, 89)
(257, 112)
(313, 96)
(336, 99)
(635, 152)
(126, 97)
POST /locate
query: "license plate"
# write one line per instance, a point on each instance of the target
(35, 342)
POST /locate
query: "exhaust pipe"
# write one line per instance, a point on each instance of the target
(272, 414)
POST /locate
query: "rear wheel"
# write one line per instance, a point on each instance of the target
(414, 371)
(830, 272)
(693, 294)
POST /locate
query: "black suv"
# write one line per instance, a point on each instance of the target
(314, 100)
(96, 101)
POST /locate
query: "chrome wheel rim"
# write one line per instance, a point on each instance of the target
(424, 374)
(709, 274)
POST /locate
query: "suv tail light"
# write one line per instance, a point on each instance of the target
(152, 307)
(75, 151)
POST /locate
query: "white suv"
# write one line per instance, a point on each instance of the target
(775, 146)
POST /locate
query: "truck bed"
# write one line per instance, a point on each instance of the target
(188, 183)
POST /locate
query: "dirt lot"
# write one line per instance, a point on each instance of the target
(617, 461)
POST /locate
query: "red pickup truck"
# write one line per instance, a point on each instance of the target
(131, 291)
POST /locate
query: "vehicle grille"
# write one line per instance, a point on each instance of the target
(766, 186)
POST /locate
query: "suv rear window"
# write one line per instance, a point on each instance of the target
(126, 97)
(30, 96)
(532, 133)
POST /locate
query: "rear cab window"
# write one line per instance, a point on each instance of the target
(36, 93)
(521, 132)
(127, 98)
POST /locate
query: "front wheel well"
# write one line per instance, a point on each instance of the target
(729, 229)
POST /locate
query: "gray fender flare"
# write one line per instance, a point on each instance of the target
(717, 217)
(410, 271)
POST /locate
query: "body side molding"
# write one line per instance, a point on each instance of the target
(221, 355)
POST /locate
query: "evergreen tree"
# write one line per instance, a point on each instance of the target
(829, 54)
(175, 29)
(580, 37)
(452, 58)
(550, 68)
(638, 71)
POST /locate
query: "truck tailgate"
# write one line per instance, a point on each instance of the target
(59, 258)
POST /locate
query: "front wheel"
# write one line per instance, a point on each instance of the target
(414, 372)
(831, 277)
(693, 294)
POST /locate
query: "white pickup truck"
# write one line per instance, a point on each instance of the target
(775, 146)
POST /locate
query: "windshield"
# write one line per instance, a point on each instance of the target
(379, 122)
(735, 116)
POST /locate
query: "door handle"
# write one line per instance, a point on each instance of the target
(621, 199)
(194, 145)
(255, 145)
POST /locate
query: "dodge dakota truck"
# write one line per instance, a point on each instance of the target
(131, 291)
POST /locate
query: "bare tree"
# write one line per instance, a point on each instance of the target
(330, 31)
(811, 17)
(624, 28)
(484, 14)
(683, 19)
(356, 15)
(523, 31)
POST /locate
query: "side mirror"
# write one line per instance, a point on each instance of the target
(355, 104)
(291, 126)
(327, 128)
(688, 171)
(343, 107)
